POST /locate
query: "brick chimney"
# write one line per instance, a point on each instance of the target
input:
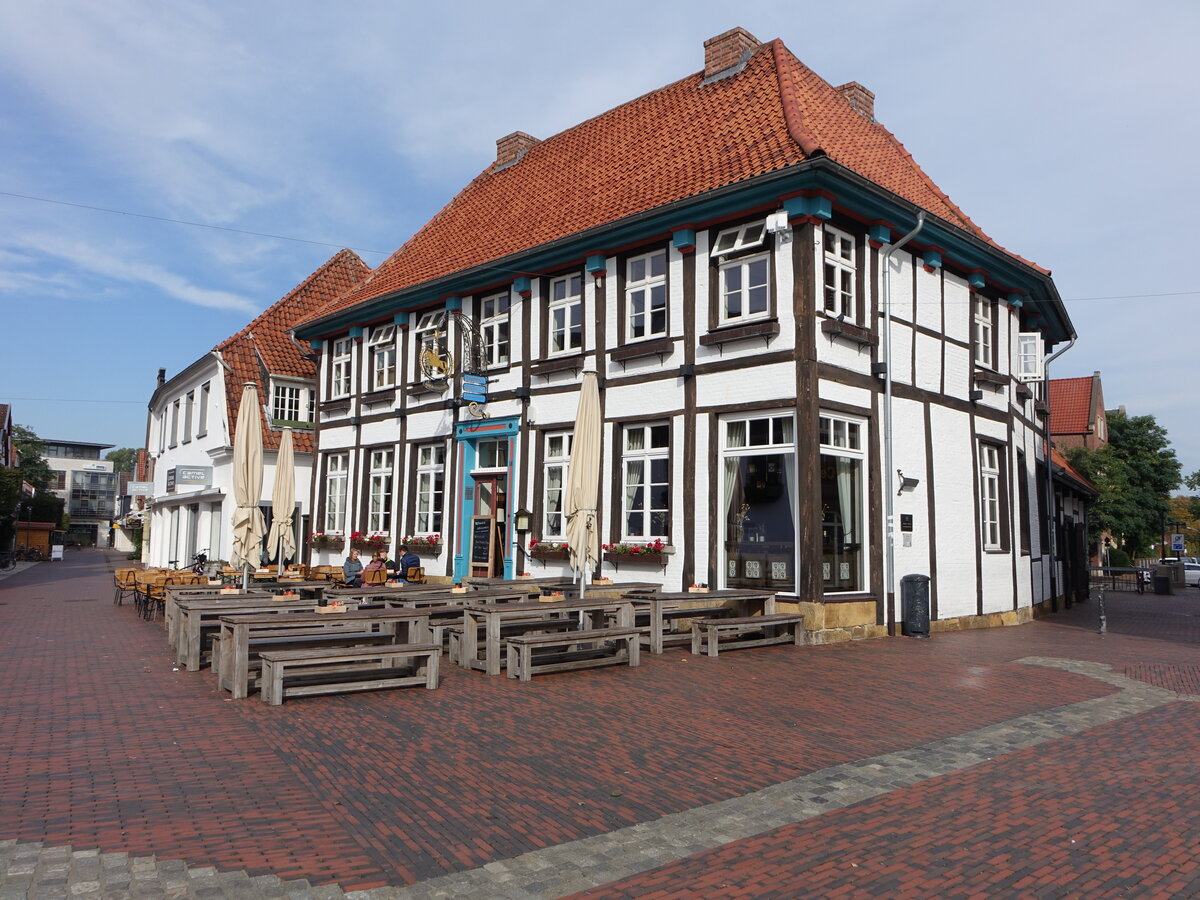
(512, 147)
(860, 98)
(162, 376)
(728, 50)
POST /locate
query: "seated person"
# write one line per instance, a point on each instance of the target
(352, 569)
(408, 560)
(378, 561)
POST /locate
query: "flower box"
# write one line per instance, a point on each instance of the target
(423, 545)
(652, 557)
(538, 553)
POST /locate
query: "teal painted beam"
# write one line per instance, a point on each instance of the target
(684, 239)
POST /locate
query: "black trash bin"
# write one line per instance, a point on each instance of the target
(1162, 584)
(914, 605)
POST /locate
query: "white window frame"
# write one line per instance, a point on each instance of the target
(645, 296)
(562, 336)
(381, 352)
(844, 437)
(495, 328)
(983, 338)
(286, 400)
(202, 424)
(379, 509)
(1029, 357)
(341, 359)
(557, 459)
(839, 273)
(337, 473)
(740, 238)
(174, 424)
(743, 265)
(990, 459)
(425, 333)
(431, 487)
(189, 404)
(642, 459)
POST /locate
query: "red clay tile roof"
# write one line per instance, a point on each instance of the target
(1071, 405)
(677, 142)
(264, 347)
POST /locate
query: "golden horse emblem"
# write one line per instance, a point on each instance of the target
(436, 364)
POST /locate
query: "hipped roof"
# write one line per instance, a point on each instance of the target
(671, 144)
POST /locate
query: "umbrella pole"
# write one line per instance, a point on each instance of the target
(245, 575)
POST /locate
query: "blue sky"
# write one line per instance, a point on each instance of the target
(1066, 130)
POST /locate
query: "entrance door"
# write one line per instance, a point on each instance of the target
(491, 500)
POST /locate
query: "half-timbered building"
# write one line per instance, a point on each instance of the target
(816, 373)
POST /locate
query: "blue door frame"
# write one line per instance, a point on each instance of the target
(467, 436)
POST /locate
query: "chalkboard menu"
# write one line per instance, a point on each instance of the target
(482, 528)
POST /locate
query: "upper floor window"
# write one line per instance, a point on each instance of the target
(202, 425)
(554, 484)
(565, 314)
(493, 326)
(981, 331)
(285, 403)
(646, 464)
(646, 295)
(188, 405)
(743, 276)
(1029, 358)
(839, 273)
(174, 423)
(342, 352)
(427, 336)
(381, 349)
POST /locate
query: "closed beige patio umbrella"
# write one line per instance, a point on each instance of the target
(248, 524)
(583, 482)
(283, 501)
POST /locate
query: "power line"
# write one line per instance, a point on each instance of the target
(1132, 296)
(122, 212)
(70, 400)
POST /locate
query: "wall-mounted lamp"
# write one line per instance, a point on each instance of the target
(906, 484)
(522, 519)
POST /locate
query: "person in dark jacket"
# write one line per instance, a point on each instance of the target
(408, 559)
(352, 569)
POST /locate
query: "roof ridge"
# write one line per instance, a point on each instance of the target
(792, 113)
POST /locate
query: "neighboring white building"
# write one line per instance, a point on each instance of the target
(715, 250)
(192, 416)
(88, 485)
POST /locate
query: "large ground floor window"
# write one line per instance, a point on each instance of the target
(759, 502)
(843, 542)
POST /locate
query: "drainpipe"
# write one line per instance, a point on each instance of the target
(1050, 510)
(889, 559)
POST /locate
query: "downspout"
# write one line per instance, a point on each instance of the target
(1050, 510)
(889, 558)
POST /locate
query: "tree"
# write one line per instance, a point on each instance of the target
(123, 460)
(1135, 473)
(33, 466)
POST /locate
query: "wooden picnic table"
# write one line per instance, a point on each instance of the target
(195, 616)
(171, 616)
(669, 607)
(491, 615)
(449, 598)
(237, 630)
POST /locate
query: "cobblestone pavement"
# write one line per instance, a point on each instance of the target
(1042, 760)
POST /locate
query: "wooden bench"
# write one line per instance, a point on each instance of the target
(292, 640)
(452, 632)
(331, 670)
(779, 628)
(523, 665)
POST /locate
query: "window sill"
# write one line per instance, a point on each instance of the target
(557, 364)
(341, 404)
(292, 423)
(765, 329)
(983, 376)
(659, 347)
(1024, 393)
(848, 331)
(376, 398)
(420, 388)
